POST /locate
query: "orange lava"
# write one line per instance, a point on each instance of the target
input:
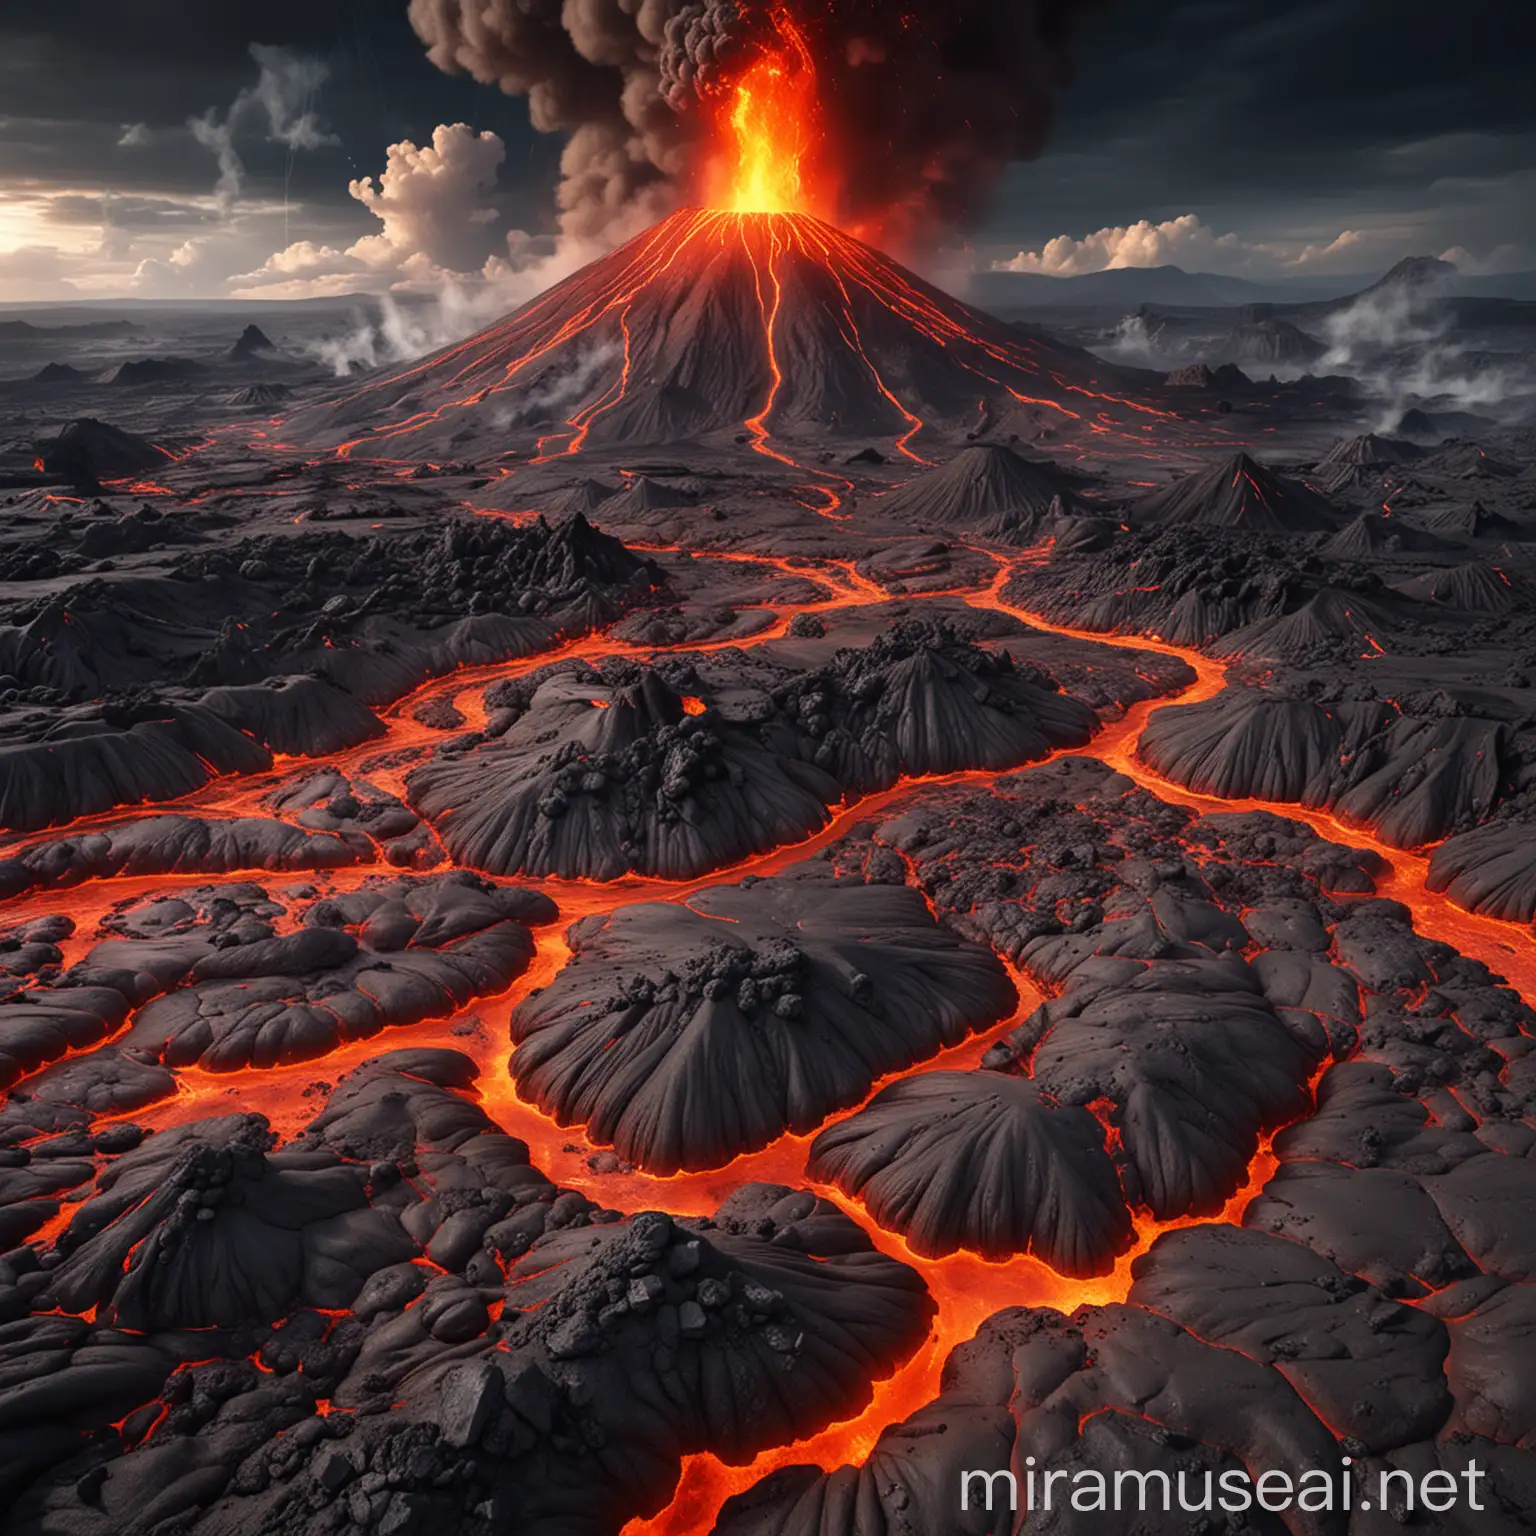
(966, 1288)
(766, 128)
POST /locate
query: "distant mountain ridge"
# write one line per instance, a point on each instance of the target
(1171, 286)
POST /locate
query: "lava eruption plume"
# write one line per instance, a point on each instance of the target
(920, 106)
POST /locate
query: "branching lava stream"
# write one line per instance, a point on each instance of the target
(966, 1287)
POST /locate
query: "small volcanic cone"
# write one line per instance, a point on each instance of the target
(1330, 622)
(59, 373)
(262, 394)
(1359, 460)
(88, 452)
(645, 495)
(1369, 449)
(761, 325)
(1477, 587)
(1473, 522)
(1242, 493)
(1373, 532)
(982, 489)
(158, 370)
(583, 497)
(253, 344)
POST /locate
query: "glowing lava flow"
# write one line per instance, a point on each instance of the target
(966, 1288)
(691, 323)
(767, 128)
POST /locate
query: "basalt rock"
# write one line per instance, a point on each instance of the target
(598, 773)
(1242, 493)
(391, 954)
(688, 1034)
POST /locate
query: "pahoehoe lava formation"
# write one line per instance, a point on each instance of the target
(743, 893)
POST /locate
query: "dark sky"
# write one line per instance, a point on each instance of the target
(1401, 125)
(1298, 118)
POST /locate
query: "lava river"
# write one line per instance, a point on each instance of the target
(966, 1287)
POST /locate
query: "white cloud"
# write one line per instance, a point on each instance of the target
(431, 202)
(37, 271)
(1494, 263)
(1190, 243)
(1143, 244)
(435, 225)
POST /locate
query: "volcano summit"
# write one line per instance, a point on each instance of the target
(776, 326)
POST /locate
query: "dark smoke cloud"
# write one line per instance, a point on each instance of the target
(925, 101)
(589, 68)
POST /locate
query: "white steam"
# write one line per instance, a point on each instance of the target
(564, 386)
(1138, 344)
(1398, 341)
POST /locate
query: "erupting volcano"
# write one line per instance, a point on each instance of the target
(554, 981)
(753, 316)
(714, 323)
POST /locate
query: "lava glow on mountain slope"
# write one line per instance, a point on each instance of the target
(755, 314)
(715, 321)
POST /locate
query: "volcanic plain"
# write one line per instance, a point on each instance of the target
(741, 893)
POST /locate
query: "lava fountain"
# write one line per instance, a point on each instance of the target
(767, 132)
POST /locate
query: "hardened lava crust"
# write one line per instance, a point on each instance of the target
(700, 914)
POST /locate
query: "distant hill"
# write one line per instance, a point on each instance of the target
(1172, 287)
(24, 330)
(1131, 287)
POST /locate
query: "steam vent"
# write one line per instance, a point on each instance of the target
(759, 900)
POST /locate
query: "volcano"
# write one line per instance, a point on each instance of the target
(762, 326)
(1242, 493)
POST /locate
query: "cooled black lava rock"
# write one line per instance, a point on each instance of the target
(393, 953)
(139, 371)
(1370, 1368)
(88, 452)
(596, 781)
(1188, 585)
(262, 395)
(270, 606)
(1491, 870)
(1193, 1060)
(756, 1326)
(253, 343)
(1266, 339)
(1374, 533)
(1411, 779)
(1112, 1389)
(83, 761)
(59, 373)
(688, 1034)
(166, 845)
(985, 489)
(983, 1162)
(598, 773)
(1477, 587)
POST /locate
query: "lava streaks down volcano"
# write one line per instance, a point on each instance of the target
(750, 892)
(770, 327)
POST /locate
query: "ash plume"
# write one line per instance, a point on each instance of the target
(924, 104)
(589, 68)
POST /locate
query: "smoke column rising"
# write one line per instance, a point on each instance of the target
(924, 103)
